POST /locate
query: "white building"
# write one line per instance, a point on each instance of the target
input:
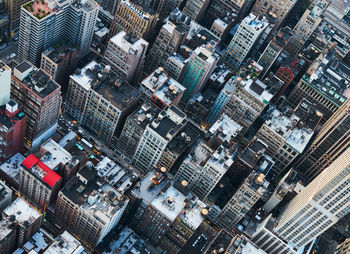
(65, 243)
(45, 23)
(5, 83)
(126, 55)
(244, 39)
(319, 206)
(156, 137)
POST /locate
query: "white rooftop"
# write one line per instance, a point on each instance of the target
(249, 248)
(22, 210)
(193, 216)
(128, 47)
(265, 96)
(65, 243)
(83, 79)
(225, 128)
(67, 138)
(12, 166)
(170, 203)
(38, 242)
(55, 154)
(287, 127)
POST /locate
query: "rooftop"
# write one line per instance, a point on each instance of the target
(58, 54)
(23, 211)
(12, 166)
(40, 170)
(100, 200)
(258, 89)
(5, 191)
(35, 79)
(55, 155)
(151, 185)
(162, 86)
(192, 215)
(128, 42)
(169, 122)
(291, 128)
(170, 203)
(65, 243)
(37, 243)
(140, 8)
(255, 22)
(252, 154)
(105, 82)
(144, 115)
(225, 128)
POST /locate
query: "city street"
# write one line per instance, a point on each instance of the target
(6, 52)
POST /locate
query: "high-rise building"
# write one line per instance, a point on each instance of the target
(72, 20)
(209, 161)
(171, 36)
(134, 127)
(286, 136)
(329, 144)
(13, 8)
(38, 182)
(200, 66)
(344, 247)
(88, 207)
(266, 239)
(326, 87)
(245, 197)
(135, 17)
(99, 100)
(175, 66)
(60, 62)
(109, 5)
(164, 7)
(19, 222)
(222, 8)
(274, 49)
(279, 10)
(126, 55)
(40, 99)
(244, 39)
(195, 9)
(307, 25)
(220, 102)
(162, 90)
(156, 137)
(247, 101)
(167, 214)
(12, 130)
(5, 83)
(319, 206)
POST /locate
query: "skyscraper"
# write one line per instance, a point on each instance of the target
(13, 8)
(195, 9)
(200, 66)
(329, 144)
(171, 36)
(45, 23)
(244, 39)
(307, 25)
(134, 16)
(126, 55)
(40, 99)
(319, 206)
(156, 137)
(278, 9)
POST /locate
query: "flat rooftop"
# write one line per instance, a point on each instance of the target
(58, 54)
(37, 243)
(35, 80)
(12, 166)
(144, 115)
(23, 211)
(192, 216)
(225, 128)
(291, 128)
(106, 83)
(128, 43)
(55, 154)
(40, 170)
(65, 243)
(151, 185)
(170, 203)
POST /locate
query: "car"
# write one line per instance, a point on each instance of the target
(12, 55)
